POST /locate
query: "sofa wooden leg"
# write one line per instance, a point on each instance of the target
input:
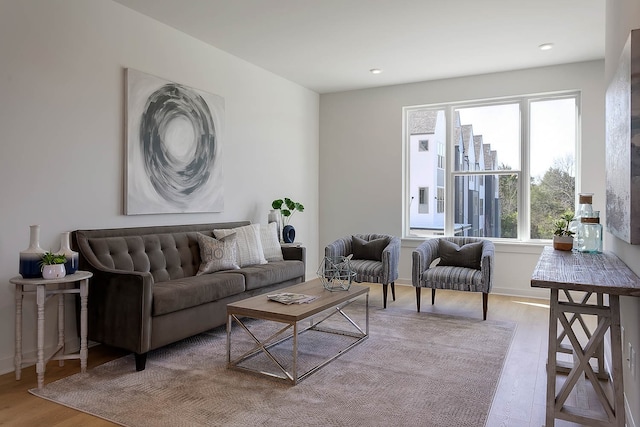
(485, 302)
(141, 361)
(385, 288)
(418, 297)
(393, 290)
(433, 296)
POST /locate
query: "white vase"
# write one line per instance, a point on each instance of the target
(30, 258)
(53, 271)
(71, 266)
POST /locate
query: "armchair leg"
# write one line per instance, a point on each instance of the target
(393, 290)
(385, 288)
(485, 301)
(433, 296)
(418, 297)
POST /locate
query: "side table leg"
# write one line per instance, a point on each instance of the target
(551, 359)
(84, 296)
(18, 350)
(40, 365)
(61, 326)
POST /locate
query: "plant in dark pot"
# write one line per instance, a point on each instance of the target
(53, 265)
(562, 236)
(287, 208)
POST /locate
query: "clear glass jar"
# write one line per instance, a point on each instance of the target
(590, 234)
(584, 209)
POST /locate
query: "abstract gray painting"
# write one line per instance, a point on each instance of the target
(174, 147)
(623, 145)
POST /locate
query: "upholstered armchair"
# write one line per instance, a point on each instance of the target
(375, 258)
(466, 264)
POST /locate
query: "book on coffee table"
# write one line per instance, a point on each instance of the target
(291, 298)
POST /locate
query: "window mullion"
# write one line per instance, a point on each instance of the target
(524, 180)
(450, 168)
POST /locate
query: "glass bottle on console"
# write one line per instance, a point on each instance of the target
(590, 232)
(584, 209)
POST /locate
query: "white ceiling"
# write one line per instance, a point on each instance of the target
(330, 45)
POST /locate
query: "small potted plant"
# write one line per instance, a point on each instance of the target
(562, 236)
(52, 265)
(287, 208)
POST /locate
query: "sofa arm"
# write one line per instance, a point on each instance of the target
(340, 247)
(486, 264)
(119, 309)
(390, 260)
(294, 253)
(120, 302)
(422, 257)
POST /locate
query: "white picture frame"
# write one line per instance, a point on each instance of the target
(174, 137)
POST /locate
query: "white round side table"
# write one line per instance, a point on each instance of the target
(76, 283)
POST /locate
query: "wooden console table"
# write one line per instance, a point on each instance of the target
(594, 275)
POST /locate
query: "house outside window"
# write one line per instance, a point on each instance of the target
(497, 168)
(440, 199)
(423, 200)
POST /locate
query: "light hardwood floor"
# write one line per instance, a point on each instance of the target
(519, 400)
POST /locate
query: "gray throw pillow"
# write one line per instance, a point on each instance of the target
(217, 254)
(468, 255)
(368, 250)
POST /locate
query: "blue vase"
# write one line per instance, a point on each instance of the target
(71, 266)
(288, 234)
(30, 258)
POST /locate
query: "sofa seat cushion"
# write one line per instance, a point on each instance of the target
(261, 275)
(366, 270)
(458, 278)
(178, 294)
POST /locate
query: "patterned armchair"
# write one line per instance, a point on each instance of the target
(466, 264)
(375, 258)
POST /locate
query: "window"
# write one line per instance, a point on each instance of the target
(503, 168)
(440, 199)
(423, 145)
(423, 200)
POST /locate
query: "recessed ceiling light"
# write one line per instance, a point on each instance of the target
(375, 71)
(546, 46)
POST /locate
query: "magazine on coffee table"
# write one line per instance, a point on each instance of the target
(291, 298)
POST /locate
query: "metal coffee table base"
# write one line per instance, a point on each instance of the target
(263, 346)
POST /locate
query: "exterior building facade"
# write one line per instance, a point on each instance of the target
(476, 196)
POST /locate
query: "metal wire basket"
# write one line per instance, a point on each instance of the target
(336, 273)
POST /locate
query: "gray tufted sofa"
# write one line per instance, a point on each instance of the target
(145, 294)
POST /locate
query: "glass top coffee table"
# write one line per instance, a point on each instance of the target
(294, 320)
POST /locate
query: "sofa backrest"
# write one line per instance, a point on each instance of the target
(167, 252)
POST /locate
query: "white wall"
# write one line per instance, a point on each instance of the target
(62, 121)
(622, 17)
(361, 177)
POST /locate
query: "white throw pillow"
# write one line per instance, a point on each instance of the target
(270, 244)
(248, 242)
(217, 255)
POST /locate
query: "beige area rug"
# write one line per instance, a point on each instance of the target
(414, 369)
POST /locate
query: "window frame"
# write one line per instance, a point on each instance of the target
(523, 173)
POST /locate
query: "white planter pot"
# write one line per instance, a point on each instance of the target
(563, 243)
(53, 271)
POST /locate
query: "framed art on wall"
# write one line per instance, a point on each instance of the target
(173, 147)
(623, 145)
